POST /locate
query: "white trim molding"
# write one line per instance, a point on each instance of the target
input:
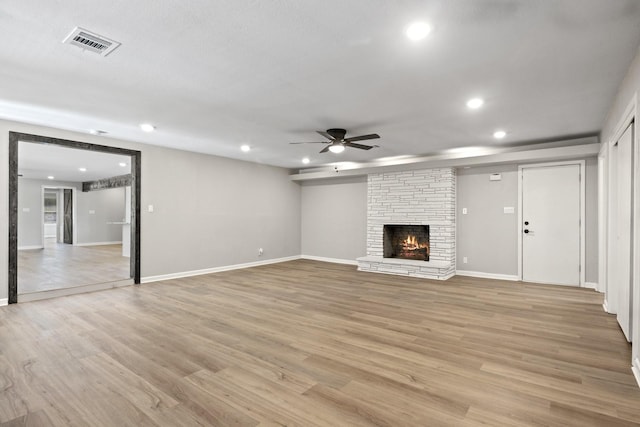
(182, 274)
(331, 260)
(510, 277)
(591, 285)
(28, 248)
(119, 242)
(4, 301)
(635, 368)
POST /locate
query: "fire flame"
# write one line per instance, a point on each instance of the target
(411, 243)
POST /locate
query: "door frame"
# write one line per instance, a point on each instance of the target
(73, 210)
(136, 172)
(583, 193)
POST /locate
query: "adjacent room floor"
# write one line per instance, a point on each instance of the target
(59, 266)
(308, 343)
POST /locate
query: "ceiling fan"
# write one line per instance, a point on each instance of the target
(337, 141)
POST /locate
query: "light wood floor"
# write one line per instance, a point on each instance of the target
(306, 343)
(60, 266)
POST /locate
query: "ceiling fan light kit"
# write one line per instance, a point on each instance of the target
(337, 141)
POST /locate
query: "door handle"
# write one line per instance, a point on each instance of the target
(526, 231)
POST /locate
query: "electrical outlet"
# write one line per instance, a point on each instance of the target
(464, 260)
(464, 211)
(260, 252)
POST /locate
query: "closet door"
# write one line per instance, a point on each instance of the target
(622, 261)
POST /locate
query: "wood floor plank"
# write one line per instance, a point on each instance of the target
(316, 344)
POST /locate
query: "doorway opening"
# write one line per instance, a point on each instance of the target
(83, 229)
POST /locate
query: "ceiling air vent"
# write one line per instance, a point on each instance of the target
(92, 42)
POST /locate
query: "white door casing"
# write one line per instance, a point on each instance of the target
(551, 223)
(621, 256)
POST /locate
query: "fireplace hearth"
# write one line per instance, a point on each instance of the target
(406, 241)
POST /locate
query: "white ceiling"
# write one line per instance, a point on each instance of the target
(39, 161)
(213, 75)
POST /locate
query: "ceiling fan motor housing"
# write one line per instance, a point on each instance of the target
(337, 133)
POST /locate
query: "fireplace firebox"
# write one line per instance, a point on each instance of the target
(406, 241)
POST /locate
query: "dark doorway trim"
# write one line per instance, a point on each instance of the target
(14, 138)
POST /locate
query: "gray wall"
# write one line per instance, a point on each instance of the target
(30, 196)
(486, 235)
(334, 219)
(208, 211)
(489, 238)
(108, 206)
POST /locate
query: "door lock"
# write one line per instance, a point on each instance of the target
(526, 231)
(526, 223)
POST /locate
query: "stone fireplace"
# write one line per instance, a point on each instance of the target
(417, 199)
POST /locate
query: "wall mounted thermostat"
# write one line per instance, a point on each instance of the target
(495, 177)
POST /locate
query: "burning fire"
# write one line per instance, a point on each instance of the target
(411, 244)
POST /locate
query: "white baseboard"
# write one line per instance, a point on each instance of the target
(27, 248)
(4, 301)
(511, 277)
(636, 370)
(98, 243)
(333, 260)
(605, 306)
(591, 285)
(181, 274)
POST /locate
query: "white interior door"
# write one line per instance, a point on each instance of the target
(551, 210)
(621, 257)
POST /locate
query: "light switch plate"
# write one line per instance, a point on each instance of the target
(92, 212)
(26, 209)
(464, 211)
(509, 209)
(150, 208)
(495, 177)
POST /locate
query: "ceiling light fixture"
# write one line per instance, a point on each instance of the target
(122, 164)
(51, 177)
(418, 31)
(499, 134)
(306, 160)
(82, 169)
(245, 148)
(475, 103)
(336, 148)
(147, 127)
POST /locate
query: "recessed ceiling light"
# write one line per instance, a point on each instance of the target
(51, 177)
(475, 103)
(245, 148)
(122, 164)
(147, 127)
(338, 148)
(82, 169)
(306, 160)
(418, 31)
(499, 134)
(97, 132)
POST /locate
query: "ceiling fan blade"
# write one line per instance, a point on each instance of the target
(362, 137)
(325, 149)
(360, 146)
(310, 142)
(326, 135)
